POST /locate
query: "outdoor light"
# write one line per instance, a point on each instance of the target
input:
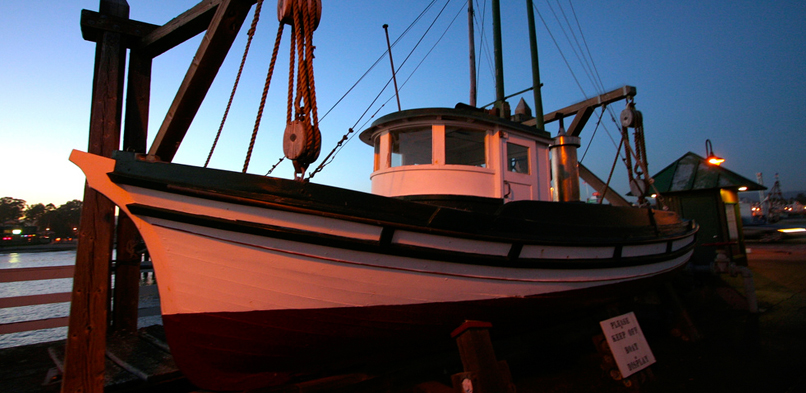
(742, 188)
(712, 158)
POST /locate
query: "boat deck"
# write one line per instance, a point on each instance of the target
(737, 352)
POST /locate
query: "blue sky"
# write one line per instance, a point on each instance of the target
(733, 72)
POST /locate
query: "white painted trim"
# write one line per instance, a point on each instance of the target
(210, 270)
(643, 250)
(565, 252)
(678, 244)
(447, 243)
(259, 215)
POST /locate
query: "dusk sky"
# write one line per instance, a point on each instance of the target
(733, 72)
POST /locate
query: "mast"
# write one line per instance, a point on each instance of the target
(499, 60)
(536, 85)
(472, 44)
(392, 62)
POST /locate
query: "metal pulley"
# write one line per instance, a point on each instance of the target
(285, 11)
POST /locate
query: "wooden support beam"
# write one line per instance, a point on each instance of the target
(585, 106)
(180, 29)
(582, 117)
(600, 186)
(127, 277)
(600, 100)
(226, 23)
(86, 335)
(138, 96)
(127, 265)
(94, 24)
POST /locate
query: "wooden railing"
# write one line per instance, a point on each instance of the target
(49, 273)
(31, 274)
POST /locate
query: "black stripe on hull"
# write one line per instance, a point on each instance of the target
(385, 247)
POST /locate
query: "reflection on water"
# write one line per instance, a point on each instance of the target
(14, 260)
(55, 310)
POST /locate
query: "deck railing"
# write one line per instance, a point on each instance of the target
(50, 273)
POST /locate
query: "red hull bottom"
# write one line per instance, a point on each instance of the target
(247, 350)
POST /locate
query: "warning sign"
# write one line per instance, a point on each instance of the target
(627, 343)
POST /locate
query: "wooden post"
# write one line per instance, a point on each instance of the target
(483, 373)
(86, 336)
(127, 265)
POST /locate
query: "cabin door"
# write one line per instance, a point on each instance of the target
(520, 169)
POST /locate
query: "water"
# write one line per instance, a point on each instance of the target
(55, 310)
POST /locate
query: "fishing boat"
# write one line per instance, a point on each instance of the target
(263, 280)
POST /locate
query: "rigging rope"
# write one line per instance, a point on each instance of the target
(347, 137)
(590, 142)
(557, 45)
(639, 181)
(587, 48)
(250, 35)
(266, 84)
(302, 140)
(381, 57)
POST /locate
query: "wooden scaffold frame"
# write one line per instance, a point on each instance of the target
(114, 33)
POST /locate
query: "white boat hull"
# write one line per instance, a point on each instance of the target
(247, 302)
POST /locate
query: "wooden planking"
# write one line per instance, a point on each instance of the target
(36, 273)
(139, 357)
(224, 27)
(38, 324)
(113, 376)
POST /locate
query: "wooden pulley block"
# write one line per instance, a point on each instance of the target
(628, 117)
(285, 11)
(631, 118)
(295, 139)
(638, 187)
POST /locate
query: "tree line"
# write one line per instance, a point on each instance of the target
(59, 221)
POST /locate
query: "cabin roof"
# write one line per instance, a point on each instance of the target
(692, 172)
(452, 114)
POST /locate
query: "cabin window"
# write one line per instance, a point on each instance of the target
(517, 158)
(411, 147)
(465, 147)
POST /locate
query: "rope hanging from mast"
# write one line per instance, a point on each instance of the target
(302, 139)
(250, 34)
